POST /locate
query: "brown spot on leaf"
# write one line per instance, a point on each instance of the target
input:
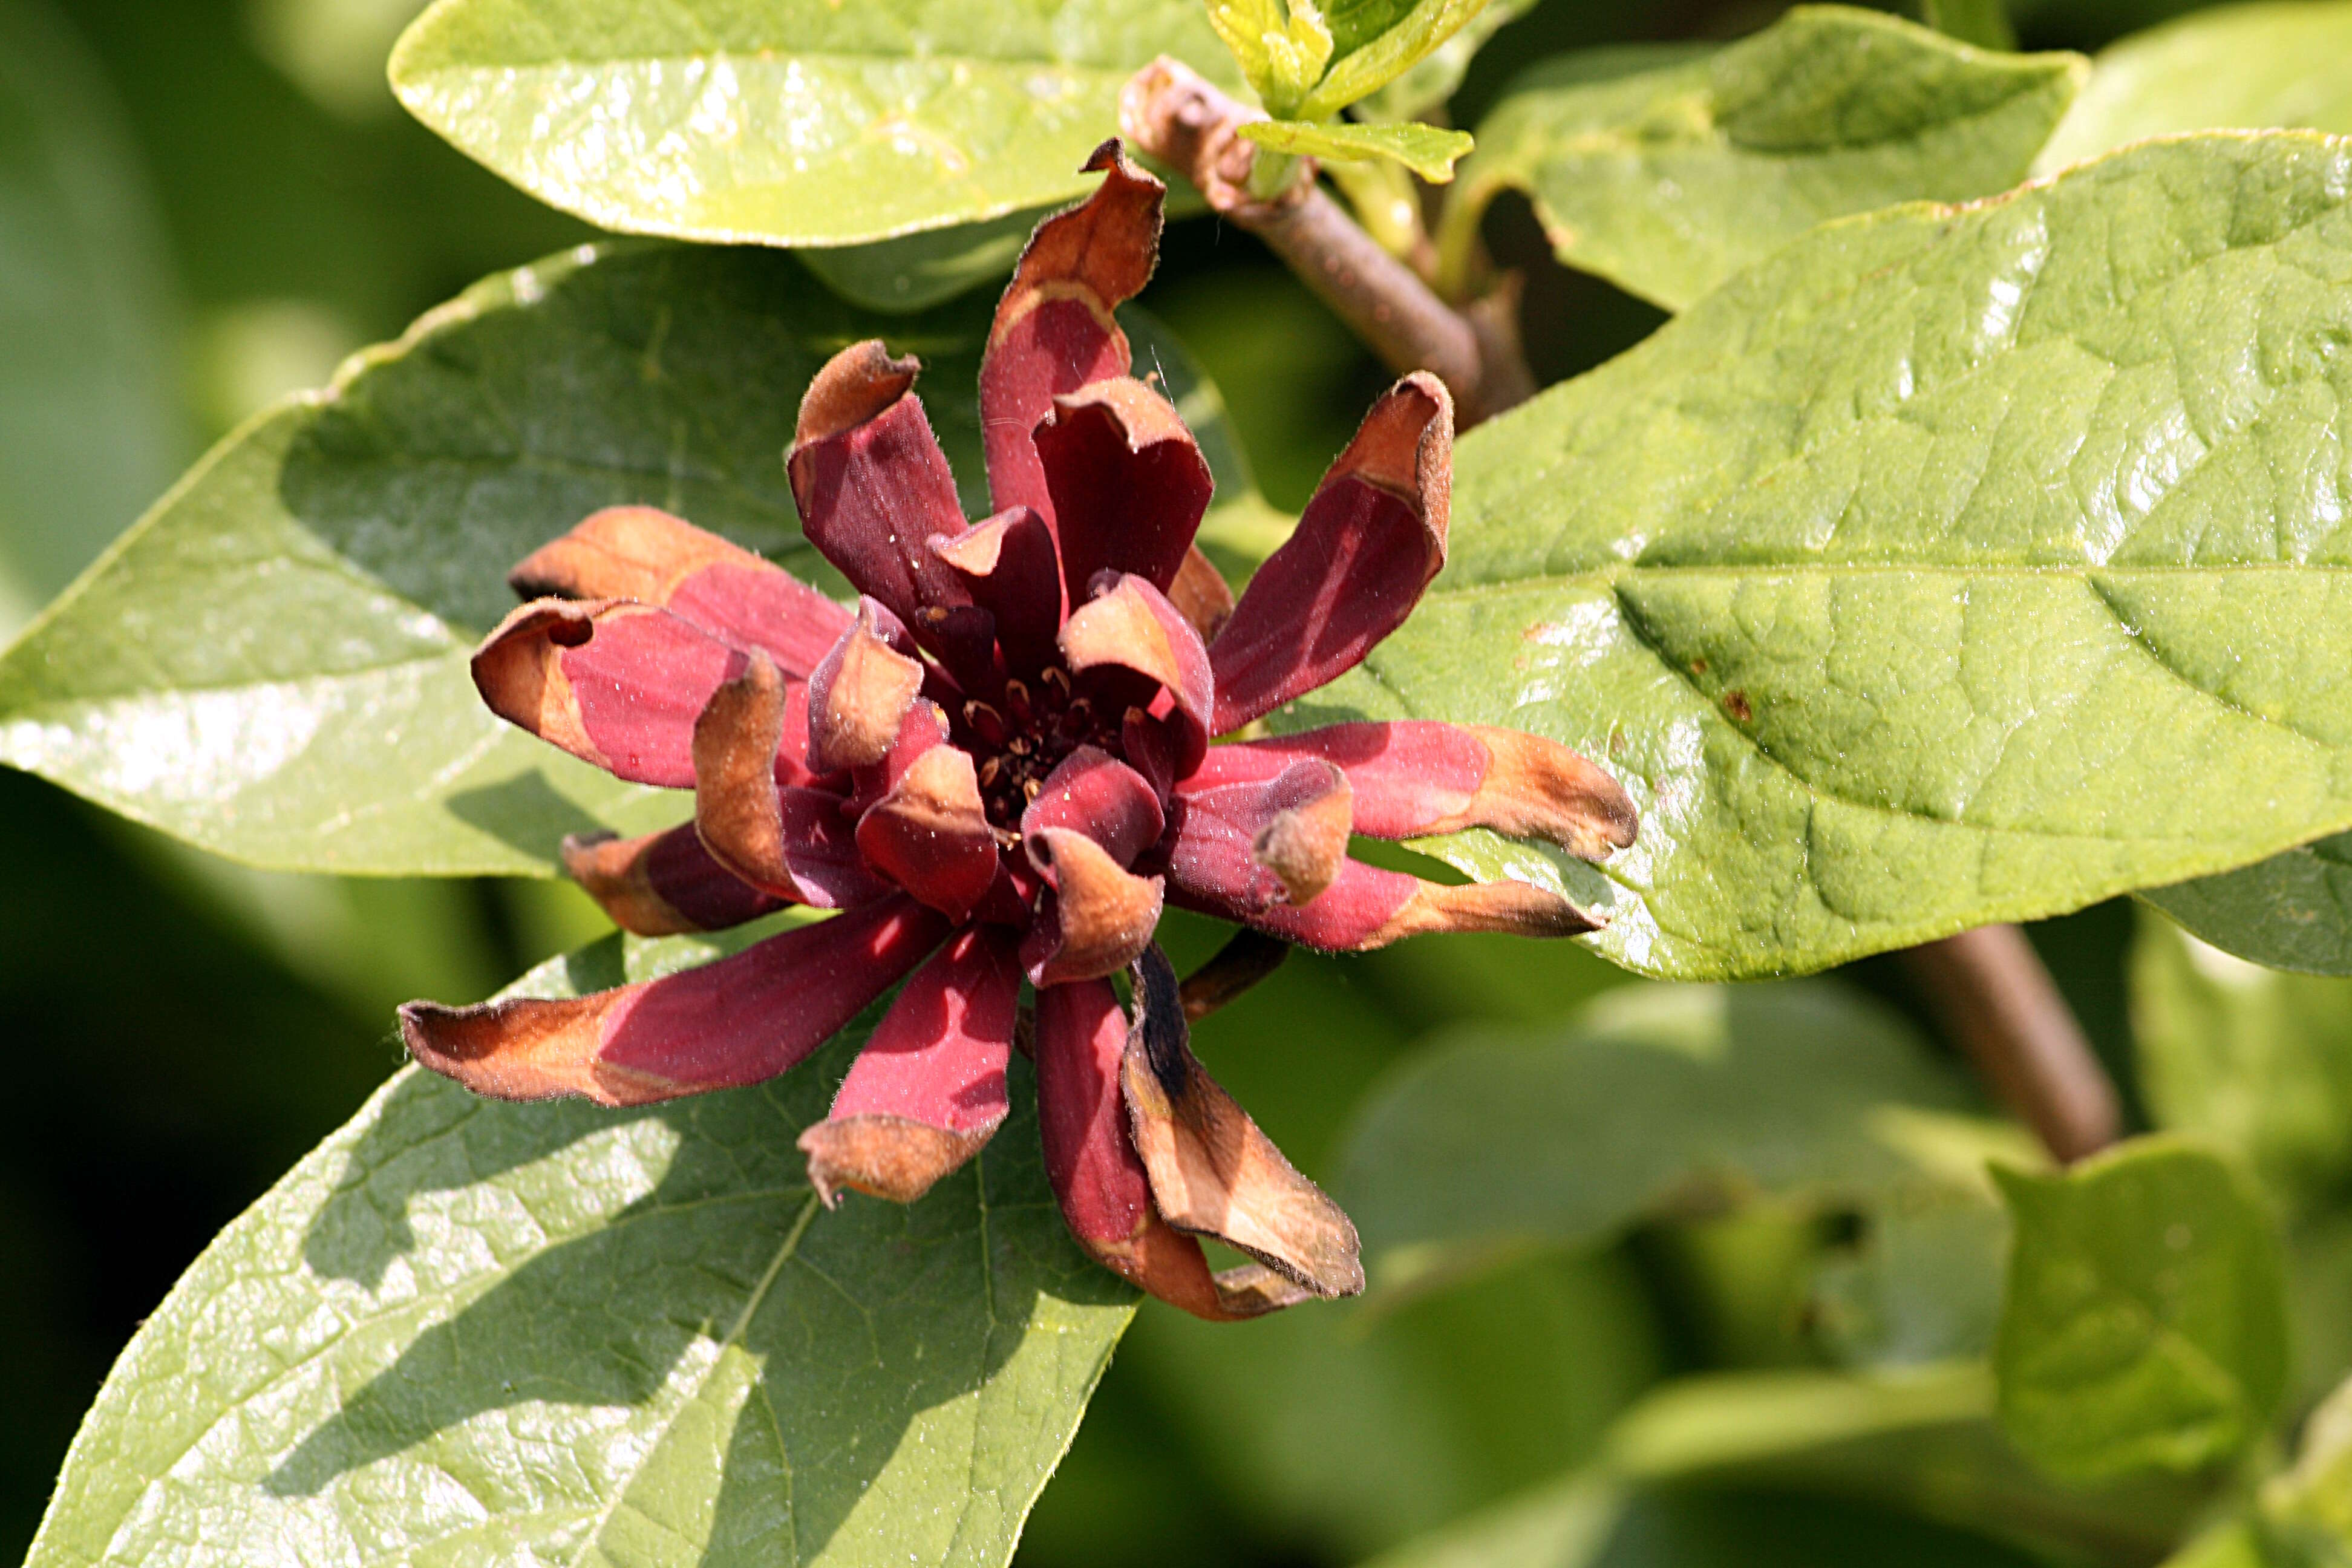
(1735, 703)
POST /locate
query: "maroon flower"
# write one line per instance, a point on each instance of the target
(997, 766)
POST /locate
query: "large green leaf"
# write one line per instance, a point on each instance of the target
(2252, 1060)
(2145, 1326)
(273, 665)
(88, 428)
(2291, 911)
(1668, 180)
(466, 1331)
(1954, 565)
(2247, 67)
(796, 122)
(1657, 1099)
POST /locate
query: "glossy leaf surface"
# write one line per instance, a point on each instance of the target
(2291, 911)
(2244, 67)
(2145, 1326)
(1428, 151)
(1951, 566)
(1666, 181)
(273, 665)
(462, 1331)
(805, 123)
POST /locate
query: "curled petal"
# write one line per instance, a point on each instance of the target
(1133, 640)
(663, 883)
(1201, 595)
(1365, 907)
(1093, 792)
(1213, 1172)
(1100, 917)
(1417, 777)
(1128, 483)
(1262, 841)
(1054, 331)
(614, 683)
(928, 1089)
(1247, 957)
(859, 695)
(644, 554)
(930, 833)
(1009, 564)
(741, 1020)
(872, 483)
(1366, 546)
(1098, 1179)
(792, 843)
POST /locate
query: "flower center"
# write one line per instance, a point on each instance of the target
(1018, 742)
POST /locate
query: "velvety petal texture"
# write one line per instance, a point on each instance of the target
(988, 776)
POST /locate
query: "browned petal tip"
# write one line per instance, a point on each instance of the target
(1305, 844)
(1107, 913)
(858, 696)
(892, 1157)
(624, 553)
(1201, 595)
(1536, 788)
(613, 870)
(930, 833)
(855, 384)
(1104, 249)
(525, 1048)
(1142, 417)
(517, 672)
(735, 743)
(1213, 1172)
(1405, 446)
(1513, 908)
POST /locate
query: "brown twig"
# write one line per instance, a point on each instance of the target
(2002, 1008)
(1182, 119)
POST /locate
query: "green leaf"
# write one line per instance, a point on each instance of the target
(1947, 568)
(1669, 180)
(2244, 67)
(2291, 911)
(917, 271)
(1984, 22)
(2143, 1329)
(273, 665)
(1428, 151)
(88, 429)
(803, 122)
(467, 1331)
(1375, 41)
(1923, 1287)
(1657, 1100)
(1434, 78)
(2248, 1059)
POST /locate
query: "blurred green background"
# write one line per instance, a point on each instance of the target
(204, 206)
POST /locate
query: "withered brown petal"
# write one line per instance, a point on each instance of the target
(663, 883)
(1103, 915)
(1213, 1172)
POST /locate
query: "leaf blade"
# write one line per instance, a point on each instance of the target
(1429, 150)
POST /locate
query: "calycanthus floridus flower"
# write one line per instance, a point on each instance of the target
(997, 766)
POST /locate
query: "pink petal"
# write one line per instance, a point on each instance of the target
(1127, 481)
(1093, 792)
(1366, 546)
(1097, 917)
(1223, 827)
(741, 1020)
(860, 693)
(1054, 331)
(644, 554)
(1008, 562)
(930, 833)
(1128, 643)
(663, 883)
(1366, 906)
(929, 1088)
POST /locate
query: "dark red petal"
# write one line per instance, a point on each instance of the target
(615, 683)
(1128, 483)
(859, 694)
(929, 1088)
(663, 883)
(1053, 331)
(1009, 563)
(740, 1020)
(930, 833)
(1417, 777)
(1366, 906)
(1093, 792)
(1098, 916)
(1132, 640)
(1213, 1172)
(644, 554)
(1262, 841)
(794, 843)
(873, 484)
(1099, 1181)
(1366, 546)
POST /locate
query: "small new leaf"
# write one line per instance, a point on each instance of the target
(1429, 150)
(2143, 1328)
